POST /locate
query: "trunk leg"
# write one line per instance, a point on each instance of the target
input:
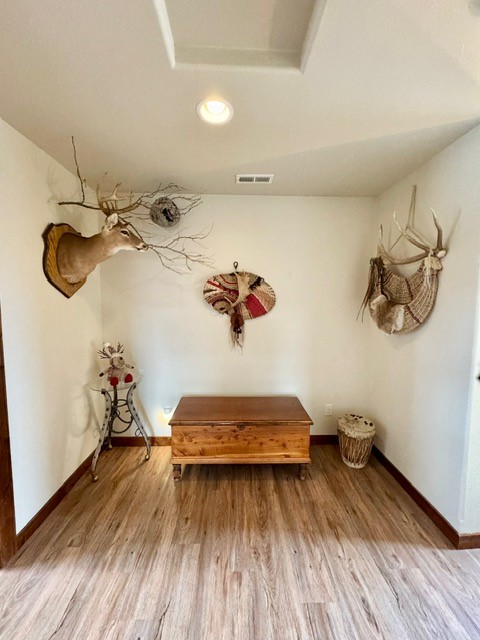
(302, 471)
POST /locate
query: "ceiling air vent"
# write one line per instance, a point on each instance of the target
(254, 178)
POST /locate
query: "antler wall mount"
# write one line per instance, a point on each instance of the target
(400, 304)
(69, 257)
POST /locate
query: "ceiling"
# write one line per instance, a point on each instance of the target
(270, 33)
(373, 90)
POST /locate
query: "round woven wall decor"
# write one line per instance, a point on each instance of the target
(223, 293)
(165, 212)
(242, 296)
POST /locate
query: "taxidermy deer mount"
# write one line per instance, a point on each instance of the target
(77, 256)
(69, 257)
(396, 303)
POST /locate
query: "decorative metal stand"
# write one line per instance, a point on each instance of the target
(113, 406)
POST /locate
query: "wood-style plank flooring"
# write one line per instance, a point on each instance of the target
(239, 553)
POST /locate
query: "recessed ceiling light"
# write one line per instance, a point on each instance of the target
(215, 111)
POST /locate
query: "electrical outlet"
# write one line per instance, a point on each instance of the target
(329, 409)
(167, 410)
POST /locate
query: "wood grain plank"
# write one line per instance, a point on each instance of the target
(234, 409)
(240, 430)
(240, 552)
(241, 459)
(231, 442)
(51, 237)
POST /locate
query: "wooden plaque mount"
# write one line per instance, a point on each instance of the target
(51, 237)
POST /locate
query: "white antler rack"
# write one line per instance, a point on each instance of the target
(414, 237)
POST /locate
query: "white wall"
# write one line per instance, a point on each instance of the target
(313, 252)
(419, 388)
(49, 341)
(471, 497)
(421, 382)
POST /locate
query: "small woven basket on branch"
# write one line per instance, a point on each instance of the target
(165, 212)
(355, 436)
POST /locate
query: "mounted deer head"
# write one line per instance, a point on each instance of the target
(69, 258)
(175, 253)
(77, 256)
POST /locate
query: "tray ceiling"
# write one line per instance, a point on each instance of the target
(385, 85)
(267, 33)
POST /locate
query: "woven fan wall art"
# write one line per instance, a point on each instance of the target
(242, 296)
(400, 304)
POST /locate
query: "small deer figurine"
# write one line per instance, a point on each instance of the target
(117, 371)
(77, 256)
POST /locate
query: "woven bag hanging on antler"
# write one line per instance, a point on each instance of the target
(400, 304)
(242, 296)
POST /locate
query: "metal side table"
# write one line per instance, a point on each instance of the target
(113, 409)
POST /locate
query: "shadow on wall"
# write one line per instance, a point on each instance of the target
(363, 161)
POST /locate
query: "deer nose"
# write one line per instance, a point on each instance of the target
(143, 247)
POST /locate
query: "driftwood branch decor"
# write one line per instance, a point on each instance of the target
(400, 304)
(131, 223)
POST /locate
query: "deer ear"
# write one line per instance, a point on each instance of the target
(111, 221)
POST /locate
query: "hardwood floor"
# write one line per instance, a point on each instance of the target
(239, 553)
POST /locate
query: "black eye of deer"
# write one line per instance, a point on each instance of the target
(125, 232)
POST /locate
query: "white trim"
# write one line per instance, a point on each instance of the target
(166, 30)
(236, 59)
(312, 32)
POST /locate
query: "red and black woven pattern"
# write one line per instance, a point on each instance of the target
(250, 292)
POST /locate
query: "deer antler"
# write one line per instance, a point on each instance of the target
(109, 204)
(174, 254)
(109, 350)
(440, 250)
(415, 238)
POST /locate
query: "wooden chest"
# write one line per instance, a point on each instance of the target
(240, 430)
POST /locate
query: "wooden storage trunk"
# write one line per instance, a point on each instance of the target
(245, 430)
